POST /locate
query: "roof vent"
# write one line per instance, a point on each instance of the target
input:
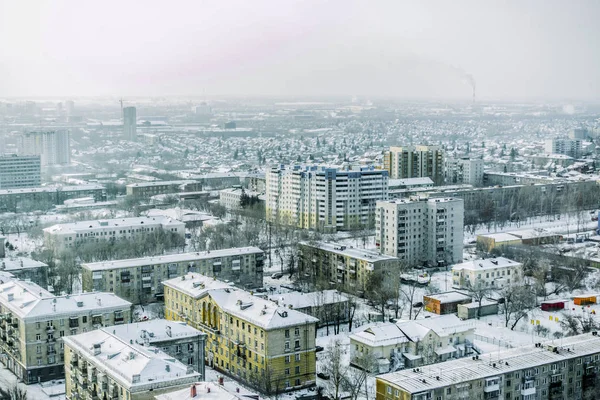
(11, 296)
(79, 303)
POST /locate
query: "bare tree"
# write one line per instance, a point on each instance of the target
(336, 368)
(479, 292)
(519, 300)
(12, 391)
(578, 324)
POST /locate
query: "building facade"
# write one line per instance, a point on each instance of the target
(46, 196)
(318, 197)
(550, 370)
(415, 162)
(569, 147)
(345, 268)
(421, 231)
(20, 171)
(70, 235)
(34, 324)
(25, 269)
(494, 273)
(139, 280)
(101, 365)
(269, 347)
(231, 198)
(149, 189)
(129, 123)
(53, 146)
(464, 170)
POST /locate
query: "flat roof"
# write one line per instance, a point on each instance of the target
(342, 249)
(313, 299)
(73, 227)
(486, 264)
(461, 370)
(169, 258)
(500, 237)
(155, 331)
(160, 183)
(19, 263)
(448, 297)
(49, 189)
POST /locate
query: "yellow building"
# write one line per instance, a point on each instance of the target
(269, 347)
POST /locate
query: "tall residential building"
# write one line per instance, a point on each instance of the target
(34, 323)
(421, 231)
(129, 123)
(19, 171)
(101, 365)
(560, 369)
(267, 346)
(53, 146)
(464, 170)
(415, 162)
(568, 147)
(319, 197)
(70, 107)
(139, 280)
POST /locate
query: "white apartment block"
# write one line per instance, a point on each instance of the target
(569, 147)
(463, 170)
(320, 197)
(415, 162)
(492, 272)
(19, 171)
(230, 198)
(421, 231)
(54, 147)
(63, 236)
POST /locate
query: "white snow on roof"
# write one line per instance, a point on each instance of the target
(74, 227)
(195, 285)
(349, 251)
(449, 297)
(303, 300)
(205, 391)
(19, 263)
(170, 258)
(155, 331)
(486, 264)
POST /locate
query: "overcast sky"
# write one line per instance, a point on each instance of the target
(514, 49)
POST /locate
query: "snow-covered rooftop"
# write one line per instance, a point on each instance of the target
(19, 263)
(486, 264)
(449, 297)
(349, 251)
(170, 258)
(155, 331)
(299, 300)
(73, 227)
(206, 391)
(160, 183)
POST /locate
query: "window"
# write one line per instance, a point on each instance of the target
(297, 382)
(190, 360)
(287, 371)
(449, 391)
(297, 370)
(297, 344)
(287, 333)
(190, 346)
(389, 390)
(38, 336)
(178, 349)
(287, 346)
(84, 319)
(38, 349)
(37, 325)
(297, 357)
(287, 359)
(297, 331)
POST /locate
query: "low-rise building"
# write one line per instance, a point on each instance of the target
(139, 280)
(231, 198)
(344, 267)
(474, 309)
(70, 235)
(101, 365)
(549, 370)
(34, 324)
(254, 340)
(409, 344)
(208, 391)
(445, 303)
(329, 306)
(47, 196)
(26, 269)
(176, 339)
(148, 189)
(492, 272)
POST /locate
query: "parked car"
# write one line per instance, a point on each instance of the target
(277, 275)
(319, 348)
(323, 375)
(260, 290)
(418, 304)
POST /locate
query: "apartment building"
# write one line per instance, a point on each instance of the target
(25, 268)
(34, 324)
(324, 198)
(415, 162)
(20, 171)
(569, 147)
(231, 198)
(409, 344)
(53, 146)
(101, 365)
(64, 236)
(149, 189)
(180, 341)
(494, 273)
(565, 369)
(421, 231)
(129, 123)
(344, 267)
(139, 280)
(329, 306)
(264, 345)
(16, 199)
(464, 170)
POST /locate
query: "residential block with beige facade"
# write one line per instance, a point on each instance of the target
(101, 365)
(415, 162)
(346, 268)
(34, 324)
(139, 280)
(492, 272)
(267, 346)
(559, 369)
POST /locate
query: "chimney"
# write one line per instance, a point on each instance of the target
(11, 296)
(193, 391)
(97, 348)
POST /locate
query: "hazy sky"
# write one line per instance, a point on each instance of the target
(514, 49)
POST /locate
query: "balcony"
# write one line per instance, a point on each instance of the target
(50, 329)
(51, 352)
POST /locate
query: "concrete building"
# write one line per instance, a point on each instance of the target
(269, 347)
(345, 268)
(569, 147)
(474, 309)
(101, 365)
(495, 273)
(139, 280)
(53, 146)
(410, 184)
(148, 189)
(421, 231)
(564, 369)
(25, 268)
(34, 324)
(409, 344)
(64, 236)
(318, 197)
(46, 196)
(129, 123)
(463, 171)
(180, 341)
(415, 162)
(330, 307)
(445, 303)
(19, 171)
(231, 198)
(208, 391)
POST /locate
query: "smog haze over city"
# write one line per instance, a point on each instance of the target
(299, 200)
